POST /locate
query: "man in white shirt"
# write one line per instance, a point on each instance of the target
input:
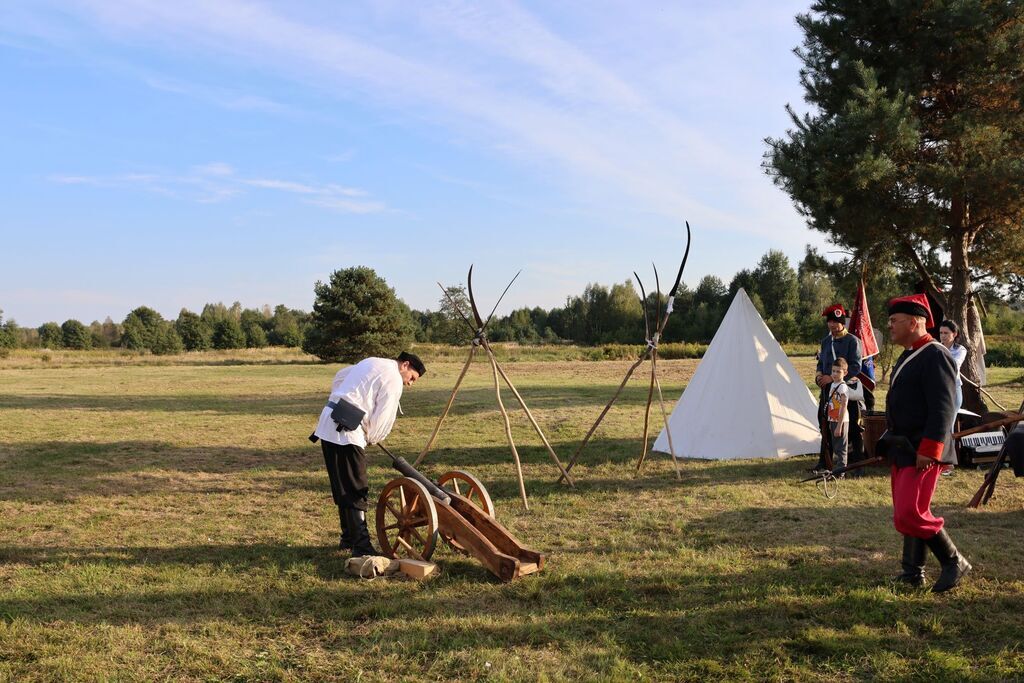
(374, 386)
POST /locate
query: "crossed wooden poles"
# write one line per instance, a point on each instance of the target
(480, 340)
(650, 352)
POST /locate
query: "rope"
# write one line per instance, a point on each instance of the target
(828, 485)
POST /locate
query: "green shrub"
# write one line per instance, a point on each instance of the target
(1006, 354)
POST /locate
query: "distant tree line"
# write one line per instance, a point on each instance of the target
(356, 314)
(144, 329)
(790, 299)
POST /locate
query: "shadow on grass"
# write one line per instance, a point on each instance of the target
(815, 609)
(63, 471)
(421, 401)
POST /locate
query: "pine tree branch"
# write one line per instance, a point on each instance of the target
(929, 282)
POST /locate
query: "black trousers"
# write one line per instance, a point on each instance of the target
(346, 467)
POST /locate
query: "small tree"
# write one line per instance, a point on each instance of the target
(133, 333)
(228, 334)
(51, 336)
(8, 333)
(776, 284)
(448, 327)
(355, 315)
(164, 340)
(255, 337)
(75, 335)
(195, 334)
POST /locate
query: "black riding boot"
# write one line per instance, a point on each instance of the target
(913, 562)
(954, 565)
(346, 535)
(355, 521)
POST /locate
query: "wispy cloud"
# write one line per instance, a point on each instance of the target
(500, 74)
(217, 181)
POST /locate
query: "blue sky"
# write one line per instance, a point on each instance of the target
(176, 153)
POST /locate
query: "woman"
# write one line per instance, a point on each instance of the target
(948, 332)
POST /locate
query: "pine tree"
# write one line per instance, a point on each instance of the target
(356, 315)
(916, 140)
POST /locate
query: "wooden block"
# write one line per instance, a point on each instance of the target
(417, 569)
(528, 568)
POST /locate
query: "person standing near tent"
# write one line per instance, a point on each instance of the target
(919, 410)
(838, 343)
(838, 415)
(360, 410)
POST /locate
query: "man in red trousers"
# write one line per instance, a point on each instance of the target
(919, 409)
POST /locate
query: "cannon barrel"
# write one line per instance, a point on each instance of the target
(403, 466)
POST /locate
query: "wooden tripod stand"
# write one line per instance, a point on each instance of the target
(650, 352)
(480, 341)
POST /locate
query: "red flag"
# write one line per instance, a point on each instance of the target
(860, 323)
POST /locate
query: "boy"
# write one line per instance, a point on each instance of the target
(838, 417)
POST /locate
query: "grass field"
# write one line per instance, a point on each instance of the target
(172, 522)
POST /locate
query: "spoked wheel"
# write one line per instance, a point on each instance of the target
(406, 520)
(470, 488)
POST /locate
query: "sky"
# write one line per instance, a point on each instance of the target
(172, 154)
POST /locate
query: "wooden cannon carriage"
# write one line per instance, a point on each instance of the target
(412, 512)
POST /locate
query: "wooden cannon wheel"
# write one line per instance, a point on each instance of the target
(470, 488)
(406, 520)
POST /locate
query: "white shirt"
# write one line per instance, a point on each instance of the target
(373, 384)
(837, 400)
(959, 353)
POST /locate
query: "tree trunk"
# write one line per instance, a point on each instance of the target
(962, 310)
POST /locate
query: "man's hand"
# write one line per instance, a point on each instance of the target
(823, 380)
(924, 462)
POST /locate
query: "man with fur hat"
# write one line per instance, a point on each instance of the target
(919, 409)
(838, 343)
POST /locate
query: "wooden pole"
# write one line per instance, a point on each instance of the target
(647, 413)
(451, 400)
(593, 428)
(664, 416)
(508, 433)
(529, 415)
(989, 426)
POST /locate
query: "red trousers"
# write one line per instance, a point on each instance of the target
(912, 491)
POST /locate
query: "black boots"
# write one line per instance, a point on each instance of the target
(346, 535)
(954, 565)
(355, 526)
(913, 562)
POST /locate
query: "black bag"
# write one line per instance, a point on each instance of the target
(896, 449)
(347, 416)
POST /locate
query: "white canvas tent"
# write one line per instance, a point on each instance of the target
(746, 400)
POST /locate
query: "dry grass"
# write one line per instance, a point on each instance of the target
(170, 521)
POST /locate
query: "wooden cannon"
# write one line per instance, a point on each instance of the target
(413, 511)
